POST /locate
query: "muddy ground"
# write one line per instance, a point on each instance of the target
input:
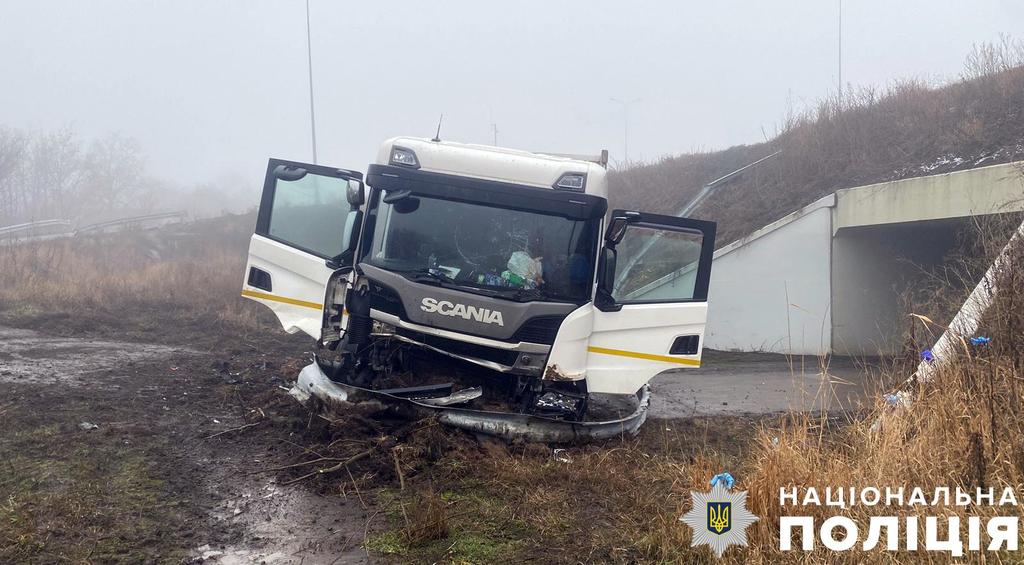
(119, 450)
(131, 440)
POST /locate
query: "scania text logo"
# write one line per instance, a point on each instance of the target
(446, 308)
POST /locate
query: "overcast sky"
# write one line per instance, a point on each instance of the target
(214, 87)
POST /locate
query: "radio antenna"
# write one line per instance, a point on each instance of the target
(437, 136)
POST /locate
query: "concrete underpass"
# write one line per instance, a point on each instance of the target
(827, 279)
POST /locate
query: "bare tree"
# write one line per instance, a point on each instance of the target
(12, 150)
(53, 174)
(113, 175)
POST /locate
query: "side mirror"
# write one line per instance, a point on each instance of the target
(355, 194)
(606, 281)
(617, 227)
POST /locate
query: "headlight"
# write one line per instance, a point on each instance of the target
(404, 157)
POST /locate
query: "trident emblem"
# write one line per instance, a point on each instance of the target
(718, 517)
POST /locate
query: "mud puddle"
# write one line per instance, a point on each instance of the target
(285, 524)
(30, 357)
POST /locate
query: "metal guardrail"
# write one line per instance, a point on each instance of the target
(41, 230)
(149, 221)
(45, 230)
(32, 226)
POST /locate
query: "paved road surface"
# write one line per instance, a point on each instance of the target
(757, 383)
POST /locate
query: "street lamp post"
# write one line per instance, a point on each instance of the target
(309, 57)
(625, 125)
(840, 55)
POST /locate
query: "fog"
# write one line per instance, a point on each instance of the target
(211, 89)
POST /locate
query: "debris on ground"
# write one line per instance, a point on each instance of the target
(725, 478)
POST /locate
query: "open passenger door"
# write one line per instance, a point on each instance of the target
(306, 230)
(651, 318)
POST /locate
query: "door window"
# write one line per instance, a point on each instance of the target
(309, 213)
(661, 263)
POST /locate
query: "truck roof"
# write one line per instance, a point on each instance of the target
(499, 163)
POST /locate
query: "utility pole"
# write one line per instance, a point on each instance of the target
(312, 113)
(494, 128)
(625, 125)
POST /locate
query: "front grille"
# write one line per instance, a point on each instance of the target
(500, 356)
(541, 329)
(385, 299)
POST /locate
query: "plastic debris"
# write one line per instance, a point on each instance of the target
(88, 426)
(928, 356)
(980, 341)
(460, 397)
(527, 268)
(490, 279)
(552, 400)
(901, 398)
(561, 455)
(512, 279)
(725, 478)
(207, 553)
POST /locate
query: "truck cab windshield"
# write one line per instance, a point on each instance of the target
(515, 254)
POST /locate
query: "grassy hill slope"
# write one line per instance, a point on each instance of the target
(909, 130)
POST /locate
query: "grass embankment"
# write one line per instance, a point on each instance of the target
(908, 129)
(131, 283)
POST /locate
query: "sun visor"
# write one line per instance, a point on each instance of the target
(570, 205)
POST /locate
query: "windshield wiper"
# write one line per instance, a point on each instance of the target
(526, 294)
(438, 278)
(426, 275)
(530, 293)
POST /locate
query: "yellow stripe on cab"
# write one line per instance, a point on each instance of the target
(282, 299)
(648, 356)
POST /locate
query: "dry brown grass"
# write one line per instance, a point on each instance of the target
(193, 273)
(619, 501)
(963, 429)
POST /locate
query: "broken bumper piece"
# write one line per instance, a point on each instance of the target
(313, 383)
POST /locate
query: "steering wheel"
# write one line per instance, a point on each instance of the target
(476, 249)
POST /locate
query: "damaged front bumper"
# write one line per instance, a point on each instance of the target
(313, 383)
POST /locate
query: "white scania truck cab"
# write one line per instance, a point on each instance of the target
(506, 260)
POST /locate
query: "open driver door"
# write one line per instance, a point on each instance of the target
(306, 230)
